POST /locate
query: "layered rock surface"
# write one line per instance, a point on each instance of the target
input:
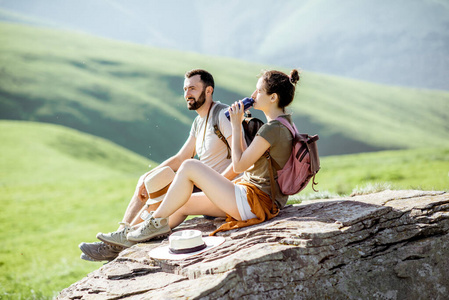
(387, 245)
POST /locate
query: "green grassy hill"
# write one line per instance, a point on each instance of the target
(132, 95)
(59, 187)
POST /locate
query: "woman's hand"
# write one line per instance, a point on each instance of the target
(236, 112)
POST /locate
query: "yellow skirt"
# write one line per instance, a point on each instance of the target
(261, 205)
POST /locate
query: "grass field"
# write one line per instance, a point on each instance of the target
(59, 187)
(421, 169)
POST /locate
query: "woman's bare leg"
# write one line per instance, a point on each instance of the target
(219, 190)
(196, 205)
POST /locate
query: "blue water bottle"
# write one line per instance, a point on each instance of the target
(247, 103)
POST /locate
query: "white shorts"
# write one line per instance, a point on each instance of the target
(242, 203)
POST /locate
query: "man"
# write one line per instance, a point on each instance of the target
(198, 92)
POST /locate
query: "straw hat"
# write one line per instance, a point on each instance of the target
(186, 243)
(157, 184)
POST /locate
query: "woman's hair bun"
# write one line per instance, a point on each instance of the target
(294, 76)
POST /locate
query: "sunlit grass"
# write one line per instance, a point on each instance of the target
(54, 197)
(422, 169)
(59, 188)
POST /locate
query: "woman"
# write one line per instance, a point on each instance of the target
(247, 201)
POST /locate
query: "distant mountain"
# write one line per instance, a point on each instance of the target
(401, 42)
(132, 95)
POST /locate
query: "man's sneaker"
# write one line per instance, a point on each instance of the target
(149, 229)
(86, 257)
(99, 251)
(117, 238)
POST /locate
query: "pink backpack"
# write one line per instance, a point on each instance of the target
(302, 165)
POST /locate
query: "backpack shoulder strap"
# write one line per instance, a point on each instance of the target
(215, 120)
(272, 180)
(218, 107)
(286, 123)
(294, 133)
(273, 163)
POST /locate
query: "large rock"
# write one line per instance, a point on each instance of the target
(387, 245)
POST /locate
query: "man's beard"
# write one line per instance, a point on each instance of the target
(197, 103)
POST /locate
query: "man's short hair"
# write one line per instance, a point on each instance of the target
(206, 77)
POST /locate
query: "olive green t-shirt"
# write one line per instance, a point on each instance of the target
(280, 140)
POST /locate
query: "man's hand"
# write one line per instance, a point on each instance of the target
(143, 195)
